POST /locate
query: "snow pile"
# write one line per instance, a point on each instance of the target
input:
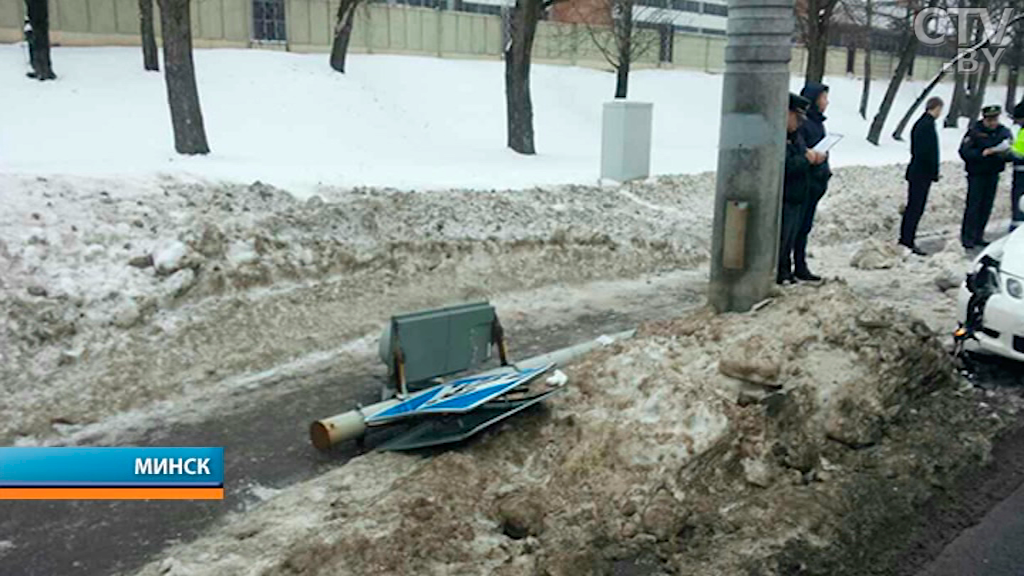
(868, 202)
(400, 121)
(875, 254)
(115, 297)
(151, 289)
(713, 444)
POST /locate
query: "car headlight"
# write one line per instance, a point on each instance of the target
(1015, 288)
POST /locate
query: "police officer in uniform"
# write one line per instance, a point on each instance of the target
(799, 160)
(813, 131)
(983, 150)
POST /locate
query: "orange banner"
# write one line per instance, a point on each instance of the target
(111, 493)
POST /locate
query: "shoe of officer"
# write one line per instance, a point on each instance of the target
(914, 248)
(807, 276)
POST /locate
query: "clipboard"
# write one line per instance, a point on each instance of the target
(826, 143)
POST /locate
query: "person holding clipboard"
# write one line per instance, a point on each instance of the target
(799, 161)
(816, 138)
(984, 152)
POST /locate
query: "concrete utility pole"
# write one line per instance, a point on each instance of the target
(751, 154)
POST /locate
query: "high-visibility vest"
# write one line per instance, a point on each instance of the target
(1018, 144)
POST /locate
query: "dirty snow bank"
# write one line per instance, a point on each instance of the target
(114, 297)
(118, 294)
(709, 445)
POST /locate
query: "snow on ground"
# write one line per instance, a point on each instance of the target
(726, 445)
(397, 121)
(93, 329)
(134, 280)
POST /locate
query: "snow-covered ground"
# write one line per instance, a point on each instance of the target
(136, 282)
(397, 121)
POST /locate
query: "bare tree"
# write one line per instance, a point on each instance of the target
(865, 92)
(953, 65)
(1013, 65)
(907, 52)
(623, 32)
(956, 103)
(521, 22)
(343, 32)
(149, 55)
(180, 77)
(37, 35)
(815, 19)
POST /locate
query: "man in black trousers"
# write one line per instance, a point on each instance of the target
(921, 172)
(794, 191)
(812, 131)
(984, 151)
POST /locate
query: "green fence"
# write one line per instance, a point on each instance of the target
(397, 29)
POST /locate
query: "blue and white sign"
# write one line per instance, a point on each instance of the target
(458, 396)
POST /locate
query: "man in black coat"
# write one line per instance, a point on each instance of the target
(812, 131)
(984, 151)
(921, 172)
(794, 191)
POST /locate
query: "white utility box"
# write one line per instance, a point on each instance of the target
(626, 140)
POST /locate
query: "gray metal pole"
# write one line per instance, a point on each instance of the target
(751, 154)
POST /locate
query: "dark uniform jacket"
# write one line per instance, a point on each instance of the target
(924, 150)
(794, 189)
(977, 139)
(813, 130)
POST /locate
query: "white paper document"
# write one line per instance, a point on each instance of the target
(826, 143)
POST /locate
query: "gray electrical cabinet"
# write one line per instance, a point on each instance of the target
(626, 140)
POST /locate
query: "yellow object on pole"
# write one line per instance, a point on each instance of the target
(347, 426)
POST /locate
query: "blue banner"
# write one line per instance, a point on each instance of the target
(111, 467)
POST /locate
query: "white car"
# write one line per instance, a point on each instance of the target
(990, 307)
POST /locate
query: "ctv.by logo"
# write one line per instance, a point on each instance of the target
(932, 27)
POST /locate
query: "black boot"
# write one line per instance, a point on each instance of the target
(807, 276)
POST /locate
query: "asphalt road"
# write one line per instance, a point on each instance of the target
(994, 547)
(266, 444)
(991, 544)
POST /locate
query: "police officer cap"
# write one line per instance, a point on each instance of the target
(991, 110)
(1018, 110)
(798, 103)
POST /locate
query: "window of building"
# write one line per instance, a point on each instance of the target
(268, 20)
(712, 31)
(716, 9)
(692, 29)
(473, 8)
(686, 5)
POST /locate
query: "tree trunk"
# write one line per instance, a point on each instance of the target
(865, 92)
(1011, 87)
(956, 103)
(907, 53)
(817, 50)
(149, 55)
(624, 42)
(38, 13)
(180, 77)
(978, 95)
(819, 16)
(342, 33)
(1013, 74)
(519, 108)
(622, 79)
